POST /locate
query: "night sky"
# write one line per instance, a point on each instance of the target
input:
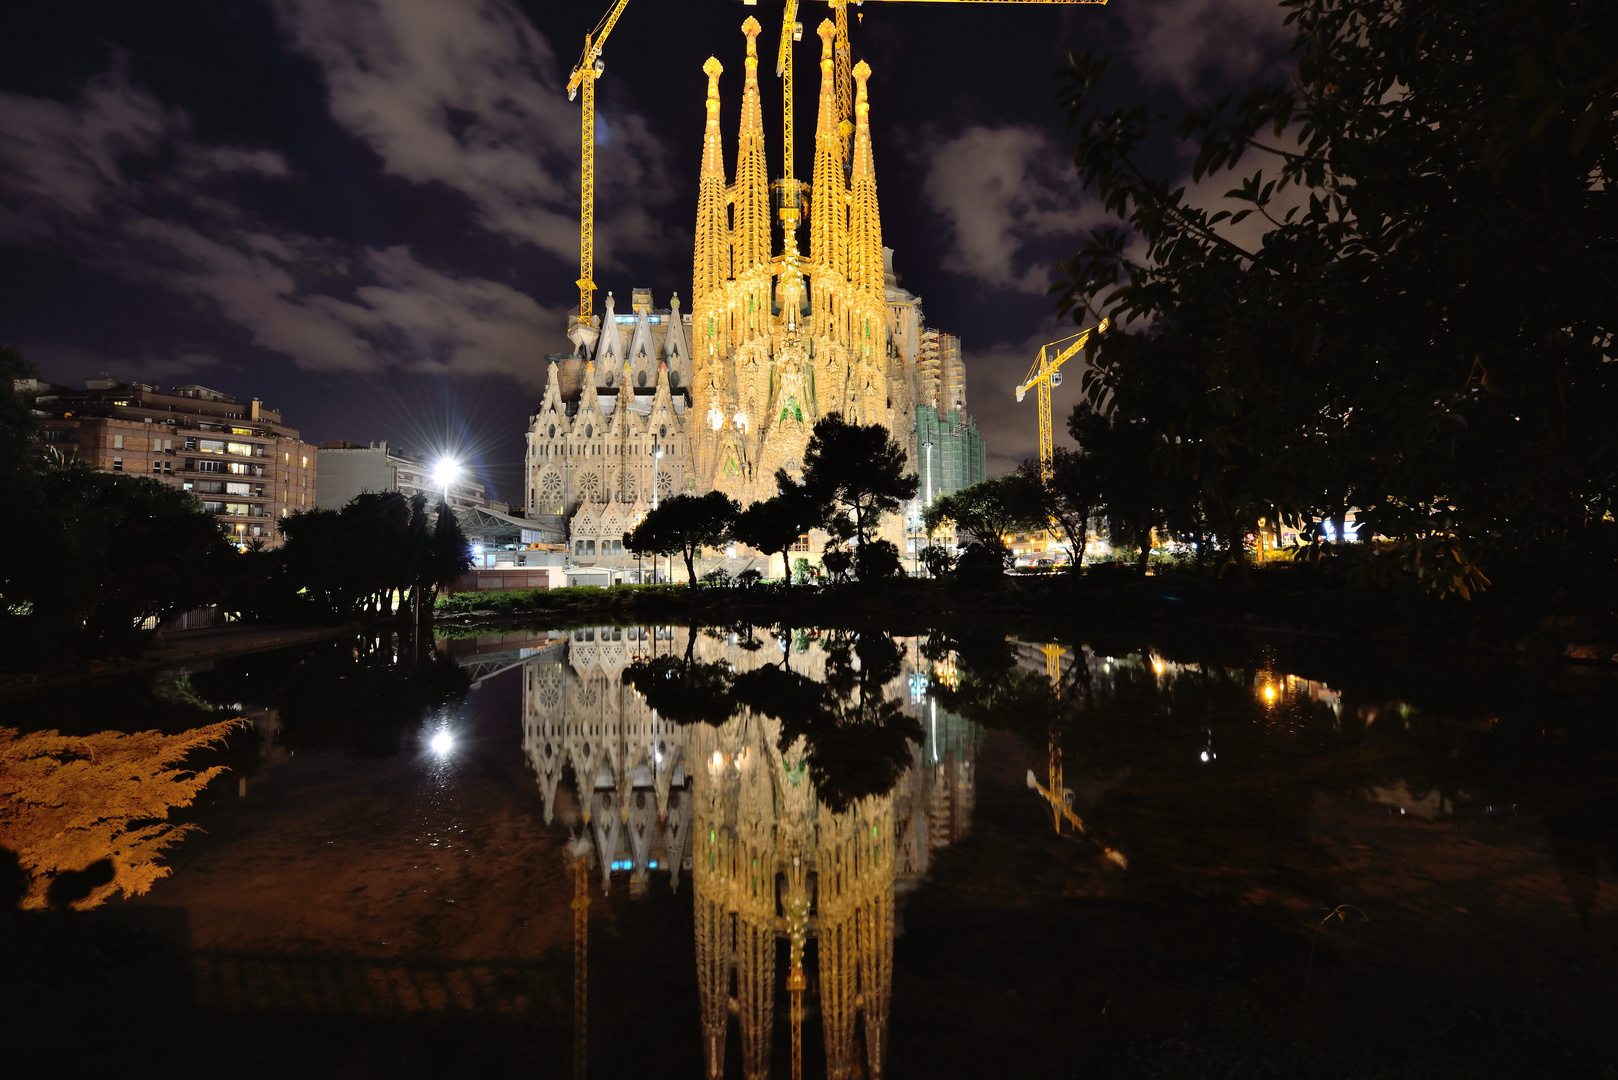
(365, 212)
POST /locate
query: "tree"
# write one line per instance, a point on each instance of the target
(71, 804)
(858, 470)
(683, 525)
(1114, 465)
(447, 557)
(354, 560)
(990, 511)
(1422, 331)
(104, 554)
(772, 526)
(1068, 499)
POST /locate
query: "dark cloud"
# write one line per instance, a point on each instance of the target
(469, 95)
(1005, 194)
(1189, 44)
(116, 180)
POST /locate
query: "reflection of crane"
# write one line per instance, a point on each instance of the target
(1046, 373)
(845, 77)
(585, 74)
(1057, 794)
(581, 953)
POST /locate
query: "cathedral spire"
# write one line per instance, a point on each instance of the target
(865, 247)
(610, 347)
(711, 265)
(828, 211)
(751, 236)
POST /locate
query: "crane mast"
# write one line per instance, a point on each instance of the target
(584, 76)
(791, 30)
(843, 55)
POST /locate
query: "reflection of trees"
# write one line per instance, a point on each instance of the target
(684, 690)
(360, 694)
(85, 815)
(858, 738)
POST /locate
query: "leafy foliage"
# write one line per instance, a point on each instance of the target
(683, 525)
(988, 513)
(1422, 333)
(355, 560)
(68, 803)
(855, 471)
(771, 526)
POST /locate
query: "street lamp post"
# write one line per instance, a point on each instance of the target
(657, 464)
(928, 448)
(657, 461)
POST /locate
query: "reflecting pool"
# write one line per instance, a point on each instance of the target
(769, 850)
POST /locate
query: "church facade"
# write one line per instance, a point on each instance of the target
(658, 402)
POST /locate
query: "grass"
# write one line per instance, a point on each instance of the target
(573, 598)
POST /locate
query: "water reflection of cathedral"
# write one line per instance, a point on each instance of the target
(770, 861)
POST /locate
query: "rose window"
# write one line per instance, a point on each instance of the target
(550, 491)
(590, 487)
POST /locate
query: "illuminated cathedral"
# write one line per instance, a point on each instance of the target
(654, 401)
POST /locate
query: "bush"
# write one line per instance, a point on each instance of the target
(981, 564)
(577, 596)
(878, 560)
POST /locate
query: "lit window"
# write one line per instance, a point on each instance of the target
(117, 442)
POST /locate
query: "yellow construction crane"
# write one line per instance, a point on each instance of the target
(791, 30)
(1046, 373)
(585, 74)
(843, 53)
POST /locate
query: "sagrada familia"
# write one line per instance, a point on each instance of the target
(720, 397)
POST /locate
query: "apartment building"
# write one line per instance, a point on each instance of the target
(238, 458)
(349, 469)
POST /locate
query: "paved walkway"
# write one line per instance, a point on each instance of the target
(184, 646)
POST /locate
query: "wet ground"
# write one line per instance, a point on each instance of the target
(1319, 877)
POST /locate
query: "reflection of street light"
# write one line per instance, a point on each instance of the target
(444, 474)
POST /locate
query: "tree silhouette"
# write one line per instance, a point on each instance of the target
(683, 525)
(773, 525)
(1068, 499)
(1362, 352)
(858, 470)
(990, 511)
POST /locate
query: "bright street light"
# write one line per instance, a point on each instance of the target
(444, 474)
